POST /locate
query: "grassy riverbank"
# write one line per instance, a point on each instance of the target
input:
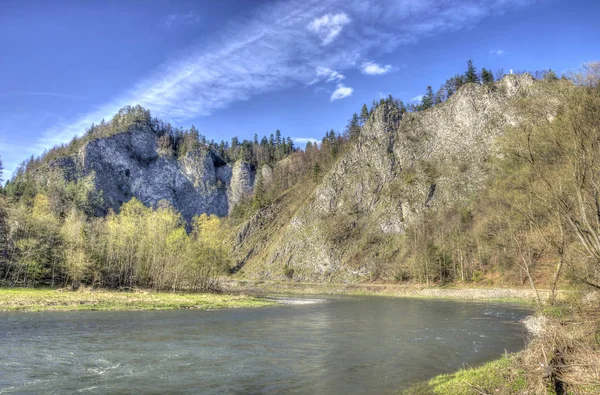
(34, 299)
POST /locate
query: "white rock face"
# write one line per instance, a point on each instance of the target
(241, 184)
(129, 165)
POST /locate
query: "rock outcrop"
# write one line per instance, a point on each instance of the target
(396, 169)
(129, 164)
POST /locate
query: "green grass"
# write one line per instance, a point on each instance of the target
(33, 299)
(496, 377)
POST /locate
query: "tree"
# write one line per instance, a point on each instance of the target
(353, 128)
(471, 73)
(316, 172)
(428, 99)
(364, 114)
(486, 76)
(550, 76)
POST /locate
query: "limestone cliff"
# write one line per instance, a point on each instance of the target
(129, 164)
(396, 169)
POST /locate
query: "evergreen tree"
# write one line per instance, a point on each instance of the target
(374, 105)
(364, 114)
(550, 76)
(471, 74)
(428, 99)
(486, 76)
(401, 106)
(1, 173)
(316, 172)
(353, 128)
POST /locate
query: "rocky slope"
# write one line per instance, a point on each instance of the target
(130, 164)
(395, 170)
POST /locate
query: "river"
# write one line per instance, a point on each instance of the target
(346, 345)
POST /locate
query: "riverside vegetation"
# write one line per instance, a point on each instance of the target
(486, 182)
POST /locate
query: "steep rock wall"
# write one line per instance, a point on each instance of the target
(130, 164)
(395, 170)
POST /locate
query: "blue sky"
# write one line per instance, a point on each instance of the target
(244, 67)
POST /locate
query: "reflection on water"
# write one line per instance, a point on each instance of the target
(346, 345)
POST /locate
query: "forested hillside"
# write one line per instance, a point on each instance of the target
(483, 181)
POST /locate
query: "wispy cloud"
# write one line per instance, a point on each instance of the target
(418, 98)
(329, 26)
(327, 75)
(372, 68)
(186, 18)
(304, 140)
(276, 49)
(48, 94)
(498, 52)
(341, 92)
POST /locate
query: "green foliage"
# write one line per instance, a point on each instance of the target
(471, 73)
(497, 377)
(139, 247)
(486, 76)
(364, 114)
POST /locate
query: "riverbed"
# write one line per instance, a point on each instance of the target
(349, 345)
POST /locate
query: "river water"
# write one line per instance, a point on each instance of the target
(347, 345)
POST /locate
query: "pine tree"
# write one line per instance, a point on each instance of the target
(353, 127)
(364, 114)
(550, 76)
(316, 172)
(428, 99)
(401, 106)
(1, 173)
(486, 76)
(471, 74)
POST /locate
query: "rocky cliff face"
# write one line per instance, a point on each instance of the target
(130, 165)
(396, 169)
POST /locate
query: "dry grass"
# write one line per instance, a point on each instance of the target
(565, 357)
(29, 299)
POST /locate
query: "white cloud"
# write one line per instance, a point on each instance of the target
(498, 52)
(341, 92)
(372, 68)
(327, 75)
(187, 18)
(304, 140)
(329, 26)
(330, 75)
(274, 50)
(418, 98)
